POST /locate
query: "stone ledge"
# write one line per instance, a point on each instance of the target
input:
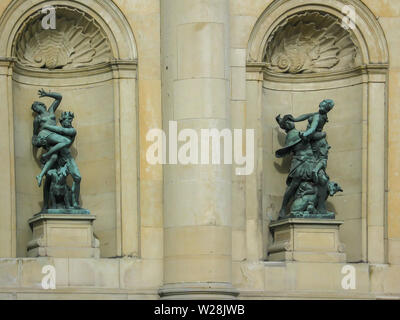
(59, 216)
(301, 221)
(87, 275)
(127, 277)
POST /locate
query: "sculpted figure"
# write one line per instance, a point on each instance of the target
(316, 121)
(42, 137)
(317, 138)
(57, 161)
(303, 161)
(65, 156)
(308, 183)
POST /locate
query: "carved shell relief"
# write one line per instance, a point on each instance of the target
(311, 42)
(76, 42)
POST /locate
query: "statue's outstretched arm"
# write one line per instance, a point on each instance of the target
(56, 96)
(302, 117)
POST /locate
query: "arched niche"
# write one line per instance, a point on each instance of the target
(91, 59)
(299, 54)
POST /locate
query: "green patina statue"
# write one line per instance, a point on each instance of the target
(57, 161)
(308, 184)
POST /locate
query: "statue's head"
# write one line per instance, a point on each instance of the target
(326, 105)
(66, 119)
(39, 107)
(286, 122)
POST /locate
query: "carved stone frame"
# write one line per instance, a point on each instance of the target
(124, 75)
(374, 51)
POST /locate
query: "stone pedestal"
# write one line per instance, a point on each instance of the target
(306, 240)
(63, 236)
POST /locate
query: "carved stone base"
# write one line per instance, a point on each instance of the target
(63, 236)
(306, 240)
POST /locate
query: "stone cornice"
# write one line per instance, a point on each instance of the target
(124, 65)
(255, 67)
(114, 65)
(6, 61)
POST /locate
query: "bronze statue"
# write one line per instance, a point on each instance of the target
(308, 183)
(43, 137)
(57, 161)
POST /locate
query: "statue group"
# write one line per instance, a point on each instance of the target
(57, 162)
(308, 184)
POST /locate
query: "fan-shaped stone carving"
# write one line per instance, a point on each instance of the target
(76, 42)
(311, 42)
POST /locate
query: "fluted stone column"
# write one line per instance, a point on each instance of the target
(197, 198)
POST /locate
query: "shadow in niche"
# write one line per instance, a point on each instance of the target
(281, 136)
(330, 207)
(283, 166)
(36, 153)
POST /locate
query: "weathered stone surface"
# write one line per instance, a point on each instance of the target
(63, 236)
(306, 240)
(77, 42)
(299, 45)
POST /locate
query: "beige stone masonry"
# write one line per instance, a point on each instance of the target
(168, 227)
(306, 240)
(63, 236)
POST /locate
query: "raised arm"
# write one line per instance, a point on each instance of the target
(302, 117)
(56, 96)
(71, 132)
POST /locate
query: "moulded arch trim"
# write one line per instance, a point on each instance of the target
(368, 34)
(105, 12)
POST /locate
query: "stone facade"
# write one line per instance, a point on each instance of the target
(193, 231)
